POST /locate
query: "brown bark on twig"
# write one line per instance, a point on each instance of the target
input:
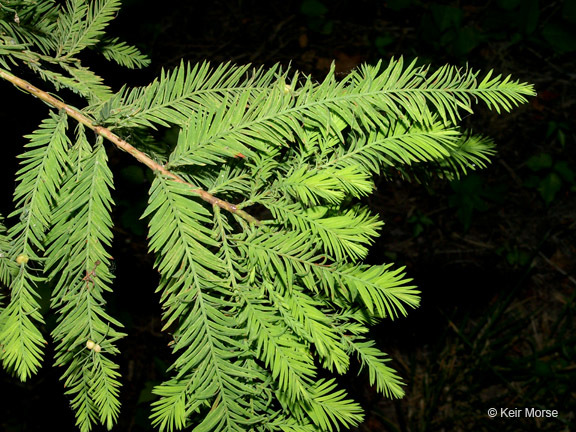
(124, 145)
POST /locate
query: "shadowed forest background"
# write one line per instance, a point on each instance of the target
(492, 253)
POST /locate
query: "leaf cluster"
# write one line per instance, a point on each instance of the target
(256, 306)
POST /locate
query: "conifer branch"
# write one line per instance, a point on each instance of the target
(254, 313)
(124, 145)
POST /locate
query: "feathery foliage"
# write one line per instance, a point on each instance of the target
(77, 261)
(254, 215)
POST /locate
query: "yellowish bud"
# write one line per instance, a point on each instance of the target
(22, 259)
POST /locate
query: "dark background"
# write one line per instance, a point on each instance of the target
(492, 253)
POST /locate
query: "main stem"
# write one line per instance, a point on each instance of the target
(124, 145)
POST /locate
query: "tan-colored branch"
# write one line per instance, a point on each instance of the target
(119, 142)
